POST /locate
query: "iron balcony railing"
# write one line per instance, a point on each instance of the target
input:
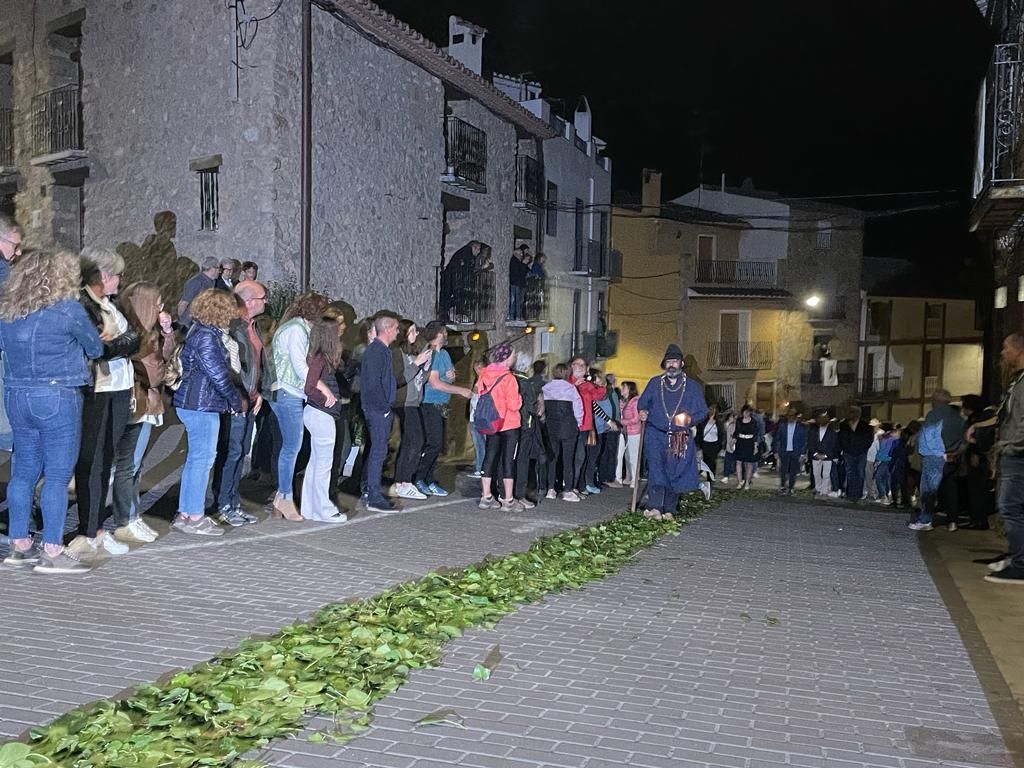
(528, 182)
(591, 258)
(813, 372)
(465, 295)
(465, 152)
(753, 273)
(535, 305)
(600, 344)
(6, 137)
(880, 385)
(57, 121)
(750, 355)
(1006, 81)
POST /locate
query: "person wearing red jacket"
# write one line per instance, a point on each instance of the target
(590, 391)
(502, 446)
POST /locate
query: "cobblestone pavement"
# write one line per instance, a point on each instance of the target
(767, 634)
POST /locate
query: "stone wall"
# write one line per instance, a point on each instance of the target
(378, 155)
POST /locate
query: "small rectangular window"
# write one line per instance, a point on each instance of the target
(1020, 289)
(706, 247)
(824, 240)
(1000, 297)
(209, 199)
(551, 215)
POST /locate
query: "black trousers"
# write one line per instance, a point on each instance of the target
(433, 440)
(710, 451)
(104, 417)
(585, 462)
(979, 494)
(563, 465)
(531, 451)
(410, 445)
(500, 456)
(608, 453)
(948, 496)
(268, 442)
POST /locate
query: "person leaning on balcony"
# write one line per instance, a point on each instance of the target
(457, 282)
(517, 273)
(46, 337)
(107, 404)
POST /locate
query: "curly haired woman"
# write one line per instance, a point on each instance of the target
(46, 337)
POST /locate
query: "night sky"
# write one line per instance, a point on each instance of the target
(819, 98)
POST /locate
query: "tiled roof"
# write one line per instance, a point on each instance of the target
(405, 41)
(708, 292)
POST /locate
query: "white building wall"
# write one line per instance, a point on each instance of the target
(759, 243)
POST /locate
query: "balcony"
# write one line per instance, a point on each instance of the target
(736, 273)
(880, 386)
(827, 309)
(740, 355)
(465, 296)
(812, 372)
(465, 153)
(6, 140)
(1001, 202)
(528, 183)
(591, 258)
(600, 345)
(57, 126)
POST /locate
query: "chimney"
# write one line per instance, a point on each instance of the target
(466, 43)
(582, 120)
(650, 198)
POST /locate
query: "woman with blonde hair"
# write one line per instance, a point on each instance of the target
(290, 348)
(105, 409)
(207, 390)
(46, 337)
(143, 306)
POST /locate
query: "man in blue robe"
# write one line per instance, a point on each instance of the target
(670, 406)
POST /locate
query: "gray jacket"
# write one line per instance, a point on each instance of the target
(1011, 419)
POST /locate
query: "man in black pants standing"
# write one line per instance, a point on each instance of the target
(377, 387)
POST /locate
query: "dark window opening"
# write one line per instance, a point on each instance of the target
(209, 199)
(551, 215)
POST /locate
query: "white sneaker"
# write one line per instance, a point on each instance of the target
(999, 565)
(82, 545)
(141, 526)
(570, 496)
(408, 491)
(111, 545)
(551, 494)
(920, 526)
(705, 488)
(952, 527)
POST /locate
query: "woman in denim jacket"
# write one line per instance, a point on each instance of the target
(207, 390)
(46, 336)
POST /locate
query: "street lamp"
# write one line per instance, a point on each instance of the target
(813, 300)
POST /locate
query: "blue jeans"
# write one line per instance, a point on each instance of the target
(479, 447)
(934, 469)
(378, 427)
(47, 426)
(882, 479)
(855, 470)
(131, 449)
(288, 410)
(1011, 505)
(202, 428)
(232, 446)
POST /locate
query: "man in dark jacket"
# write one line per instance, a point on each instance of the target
(531, 438)
(823, 448)
(377, 388)
(790, 446)
(855, 438)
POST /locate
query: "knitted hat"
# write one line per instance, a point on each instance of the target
(501, 353)
(672, 353)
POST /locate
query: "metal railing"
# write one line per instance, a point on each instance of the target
(751, 355)
(880, 385)
(535, 305)
(465, 295)
(1006, 80)
(6, 137)
(833, 308)
(57, 121)
(600, 344)
(591, 258)
(714, 272)
(811, 372)
(528, 182)
(465, 151)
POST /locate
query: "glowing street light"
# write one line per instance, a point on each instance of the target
(813, 300)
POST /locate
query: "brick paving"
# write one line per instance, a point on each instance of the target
(767, 634)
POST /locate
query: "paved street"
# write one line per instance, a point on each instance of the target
(769, 633)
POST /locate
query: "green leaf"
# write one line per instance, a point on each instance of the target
(480, 672)
(771, 621)
(447, 717)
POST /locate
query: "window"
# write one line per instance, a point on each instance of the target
(706, 247)
(722, 394)
(551, 216)
(209, 199)
(879, 314)
(1020, 289)
(1000, 298)
(824, 239)
(577, 320)
(934, 314)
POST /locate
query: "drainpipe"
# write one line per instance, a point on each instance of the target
(306, 150)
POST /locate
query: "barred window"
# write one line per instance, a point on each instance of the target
(209, 199)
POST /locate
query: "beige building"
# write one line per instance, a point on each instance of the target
(911, 346)
(738, 297)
